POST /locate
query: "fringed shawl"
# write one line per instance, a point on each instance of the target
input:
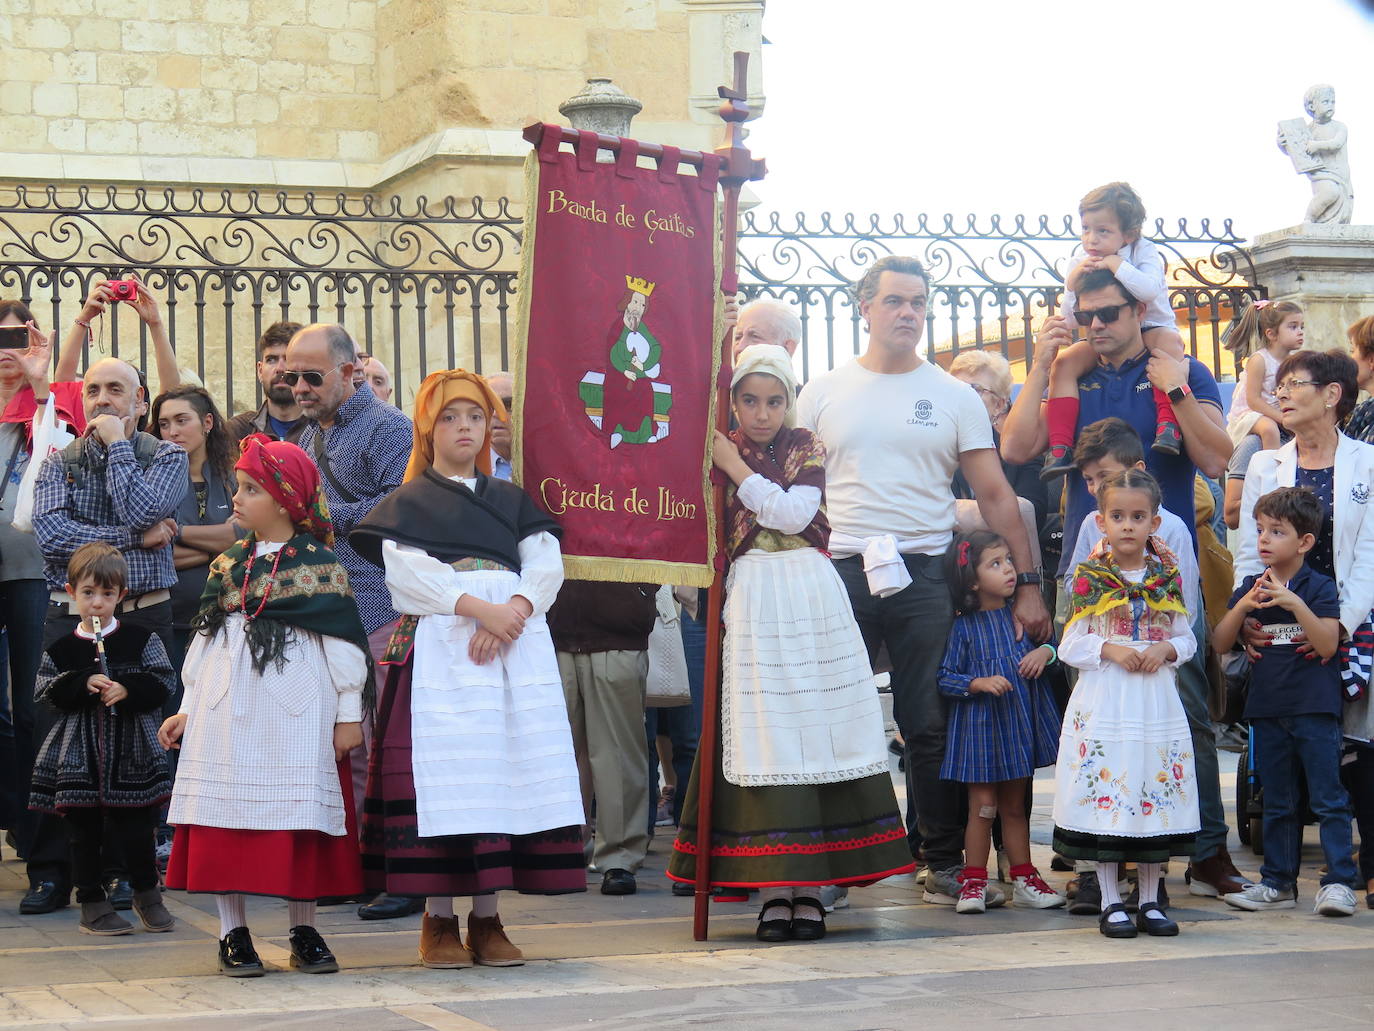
(794, 458)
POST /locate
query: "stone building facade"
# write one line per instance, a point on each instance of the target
(396, 100)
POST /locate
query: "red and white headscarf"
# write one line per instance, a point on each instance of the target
(287, 473)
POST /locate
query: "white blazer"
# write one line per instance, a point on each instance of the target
(1353, 520)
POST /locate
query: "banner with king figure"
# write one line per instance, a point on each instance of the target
(616, 356)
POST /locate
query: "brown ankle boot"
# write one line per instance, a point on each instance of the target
(489, 945)
(151, 910)
(441, 944)
(101, 918)
(1214, 876)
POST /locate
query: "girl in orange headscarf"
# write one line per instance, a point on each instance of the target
(472, 786)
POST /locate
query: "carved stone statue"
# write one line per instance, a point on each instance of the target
(1318, 151)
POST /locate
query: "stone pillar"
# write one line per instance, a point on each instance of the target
(601, 106)
(1324, 268)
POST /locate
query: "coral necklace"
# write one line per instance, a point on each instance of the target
(267, 591)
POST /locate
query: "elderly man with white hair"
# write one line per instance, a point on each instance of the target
(768, 321)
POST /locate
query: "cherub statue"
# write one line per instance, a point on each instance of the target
(1318, 151)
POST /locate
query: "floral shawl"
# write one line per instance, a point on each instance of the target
(794, 458)
(1099, 585)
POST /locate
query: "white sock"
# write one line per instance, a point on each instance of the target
(1149, 888)
(439, 908)
(484, 906)
(1106, 880)
(301, 914)
(233, 912)
(767, 895)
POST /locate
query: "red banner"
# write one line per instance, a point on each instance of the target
(616, 359)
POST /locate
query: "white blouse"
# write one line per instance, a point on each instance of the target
(421, 585)
(787, 511)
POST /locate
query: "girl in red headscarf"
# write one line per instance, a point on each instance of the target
(275, 679)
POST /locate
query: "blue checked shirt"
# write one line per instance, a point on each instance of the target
(368, 448)
(115, 502)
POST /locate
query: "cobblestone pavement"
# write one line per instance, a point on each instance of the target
(890, 961)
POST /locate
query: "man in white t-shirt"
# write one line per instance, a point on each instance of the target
(895, 429)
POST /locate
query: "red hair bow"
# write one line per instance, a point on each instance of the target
(964, 548)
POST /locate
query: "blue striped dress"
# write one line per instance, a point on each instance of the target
(992, 738)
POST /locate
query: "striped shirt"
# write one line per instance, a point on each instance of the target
(115, 501)
(366, 451)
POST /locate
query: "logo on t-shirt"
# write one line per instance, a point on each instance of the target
(922, 415)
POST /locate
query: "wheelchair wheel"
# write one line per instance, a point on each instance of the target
(1257, 835)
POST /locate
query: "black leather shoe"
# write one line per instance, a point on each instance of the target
(805, 930)
(389, 907)
(618, 882)
(1088, 897)
(237, 957)
(44, 897)
(1057, 465)
(309, 953)
(119, 893)
(1168, 441)
(1116, 928)
(686, 889)
(778, 928)
(1156, 926)
(1132, 901)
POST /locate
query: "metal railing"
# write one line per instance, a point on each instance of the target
(430, 285)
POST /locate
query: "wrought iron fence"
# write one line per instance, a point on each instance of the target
(429, 285)
(992, 280)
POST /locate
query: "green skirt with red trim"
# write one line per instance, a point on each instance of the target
(848, 833)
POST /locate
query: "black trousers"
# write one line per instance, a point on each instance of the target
(915, 623)
(50, 849)
(1357, 773)
(125, 832)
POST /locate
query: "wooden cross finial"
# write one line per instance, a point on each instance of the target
(740, 164)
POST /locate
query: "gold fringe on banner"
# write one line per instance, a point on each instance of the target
(607, 568)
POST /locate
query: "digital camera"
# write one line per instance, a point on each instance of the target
(123, 289)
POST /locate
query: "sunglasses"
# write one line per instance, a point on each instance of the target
(1106, 315)
(314, 379)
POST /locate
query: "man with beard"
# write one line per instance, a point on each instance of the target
(279, 417)
(122, 487)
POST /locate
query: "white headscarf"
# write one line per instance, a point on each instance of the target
(771, 360)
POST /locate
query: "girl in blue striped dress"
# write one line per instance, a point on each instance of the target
(1003, 724)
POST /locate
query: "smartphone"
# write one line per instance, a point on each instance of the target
(14, 338)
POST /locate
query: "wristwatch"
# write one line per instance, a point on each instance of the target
(1027, 579)
(1179, 393)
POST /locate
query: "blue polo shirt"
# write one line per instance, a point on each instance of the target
(1126, 394)
(1282, 682)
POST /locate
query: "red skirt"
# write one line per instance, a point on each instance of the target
(300, 865)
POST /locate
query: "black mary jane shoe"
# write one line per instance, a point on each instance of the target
(309, 953)
(803, 928)
(1116, 928)
(237, 957)
(1155, 926)
(777, 930)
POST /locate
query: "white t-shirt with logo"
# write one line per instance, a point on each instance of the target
(892, 445)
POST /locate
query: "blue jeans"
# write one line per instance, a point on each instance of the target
(1285, 745)
(1193, 691)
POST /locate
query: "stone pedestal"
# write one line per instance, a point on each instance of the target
(1327, 269)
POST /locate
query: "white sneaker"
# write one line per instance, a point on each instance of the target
(1033, 893)
(833, 897)
(1257, 897)
(1335, 900)
(973, 897)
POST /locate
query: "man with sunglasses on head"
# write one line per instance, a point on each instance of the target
(361, 446)
(1120, 386)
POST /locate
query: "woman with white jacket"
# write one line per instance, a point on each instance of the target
(1316, 391)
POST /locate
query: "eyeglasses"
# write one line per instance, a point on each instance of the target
(312, 378)
(1106, 315)
(985, 392)
(1285, 389)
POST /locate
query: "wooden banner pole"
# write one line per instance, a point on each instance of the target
(738, 168)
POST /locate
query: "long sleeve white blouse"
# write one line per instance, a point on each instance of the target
(421, 585)
(787, 511)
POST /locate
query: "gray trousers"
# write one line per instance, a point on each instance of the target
(605, 696)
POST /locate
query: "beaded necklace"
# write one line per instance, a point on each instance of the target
(267, 591)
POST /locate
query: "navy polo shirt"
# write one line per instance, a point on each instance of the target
(1282, 682)
(1126, 394)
